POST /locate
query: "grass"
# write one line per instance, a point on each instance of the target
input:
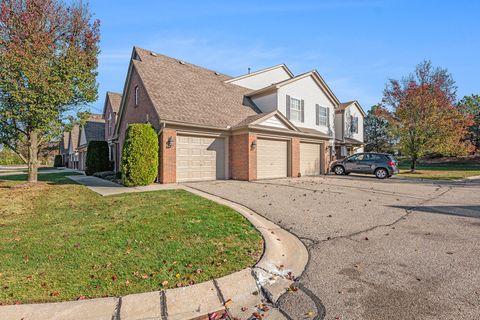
(60, 241)
(440, 171)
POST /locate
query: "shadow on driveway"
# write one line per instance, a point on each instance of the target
(462, 211)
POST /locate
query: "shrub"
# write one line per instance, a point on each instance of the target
(140, 155)
(58, 161)
(97, 157)
(103, 174)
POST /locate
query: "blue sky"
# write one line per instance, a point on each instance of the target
(355, 45)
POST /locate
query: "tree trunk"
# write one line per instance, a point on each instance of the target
(413, 164)
(32, 157)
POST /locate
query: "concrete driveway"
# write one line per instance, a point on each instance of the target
(381, 250)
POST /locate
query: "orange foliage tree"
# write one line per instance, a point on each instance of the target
(421, 109)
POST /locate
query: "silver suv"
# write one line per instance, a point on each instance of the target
(382, 165)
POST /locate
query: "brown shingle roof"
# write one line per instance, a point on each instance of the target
(94, 129)
(74, 137)
(315, 132)
(184, 92)
(115, 99)
(344, 105)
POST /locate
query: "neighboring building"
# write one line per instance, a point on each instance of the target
(349, 129)
(63, 148)
(265, 124)
(110, 112)
(92, 130)
(72, 154)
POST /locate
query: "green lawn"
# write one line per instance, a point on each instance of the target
(440, 171)
(60, 241)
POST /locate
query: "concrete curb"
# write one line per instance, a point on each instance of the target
(241, 294)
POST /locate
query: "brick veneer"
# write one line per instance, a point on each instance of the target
(242, 159)
(295, 157)
(167, 157)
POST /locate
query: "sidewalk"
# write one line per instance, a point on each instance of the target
(241, 294)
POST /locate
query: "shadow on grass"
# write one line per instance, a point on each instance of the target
(49, 178)
(462, 211)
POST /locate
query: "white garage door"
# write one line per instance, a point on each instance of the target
(200, 158)
(310, 159)
(271, 159)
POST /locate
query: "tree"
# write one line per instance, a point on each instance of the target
(377, 131)
(421, 109)
(48, 63)
(140, 155)
(470, 107)
(97, 158)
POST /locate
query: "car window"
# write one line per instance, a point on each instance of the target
(375, 157)
(361, 157)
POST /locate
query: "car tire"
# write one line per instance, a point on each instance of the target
(339, 170)
(381, 173)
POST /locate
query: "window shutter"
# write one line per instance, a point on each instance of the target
(317, 114)
(302, 110)
(288, 107)
(328, 117)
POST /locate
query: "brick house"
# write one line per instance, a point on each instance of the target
(110, 113)
(265, 124)
(92, 130)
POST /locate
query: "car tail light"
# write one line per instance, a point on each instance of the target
(391, 163)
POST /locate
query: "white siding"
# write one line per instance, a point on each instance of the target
(308, 90)
(263, 79)
(352, 110)
(273, 122)
(266, 103)
(338, 126)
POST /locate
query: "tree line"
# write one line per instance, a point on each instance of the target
(420, 116)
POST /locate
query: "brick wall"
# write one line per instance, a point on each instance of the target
(135, 114)
(295, 157)
(242, 159)
(167, 157)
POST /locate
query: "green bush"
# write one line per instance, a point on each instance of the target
(58, 161)
(97, 158)
(140, 155)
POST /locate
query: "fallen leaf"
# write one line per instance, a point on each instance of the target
(165, 283)
(114, 278)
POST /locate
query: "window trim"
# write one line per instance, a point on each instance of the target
(295, 110)
(136, 95)
(324, 117)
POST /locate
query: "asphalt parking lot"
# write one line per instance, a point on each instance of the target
(379, 249)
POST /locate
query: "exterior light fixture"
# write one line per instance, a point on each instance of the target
(253, 146)
(170, 142)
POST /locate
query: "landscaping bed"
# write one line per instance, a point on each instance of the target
(60, 241)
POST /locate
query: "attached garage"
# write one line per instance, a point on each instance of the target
(310, 159)
(272, 159)
(200, 158)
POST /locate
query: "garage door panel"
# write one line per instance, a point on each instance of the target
(200, 158)
(272, 158)
(310, 159)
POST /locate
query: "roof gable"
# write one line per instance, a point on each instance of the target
(313, 74)
(115, 99)
(270, 119)
(185, 93)
(262, 78)
(344, 105)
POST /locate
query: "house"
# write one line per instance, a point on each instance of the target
(264, 124)
(92, 130)
(71, 154)
(110, 113)
(63, 148)
(349, 118)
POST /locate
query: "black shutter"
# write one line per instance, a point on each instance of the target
(288, 107)
(302, 110)
(317, 114)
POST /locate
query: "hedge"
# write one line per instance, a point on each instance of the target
(58, 161)
(140, 155)
(97, 157)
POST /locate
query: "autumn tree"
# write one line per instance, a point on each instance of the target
(421, 109)
(377, 131)
(48, 69)
(470, 107)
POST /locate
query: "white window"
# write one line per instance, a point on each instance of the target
(323, 116)
(109, 123)
(136, 96)
(295, 109)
